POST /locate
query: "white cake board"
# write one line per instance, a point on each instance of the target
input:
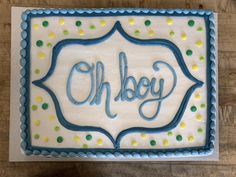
(15, 154)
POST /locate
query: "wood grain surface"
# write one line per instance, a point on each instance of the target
(226, 167)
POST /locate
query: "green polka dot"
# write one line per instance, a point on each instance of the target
(201, 58)
(60, 139)
(172, 33)
(179, 138)
(202, 105)
(193, 108)
(89, 137)
(85, 146)
(36, 71)
(189, 52)
(200, 130)
(56, 128)
(39, 43)
(92, 27)
(136, 32)
(49, 44)
(191, 23)
(170, 133)
(147, 22)
(34, 107)
(153, 142)
(78, 23)
(45, 23)
(44, 106)
(65, 32)
(36, 136)
(200, 29)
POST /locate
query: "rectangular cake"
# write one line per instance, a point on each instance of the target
(118, 83)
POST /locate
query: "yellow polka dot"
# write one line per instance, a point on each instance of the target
(81, 32)
(100, 142)
(151, 33)
(61, 21)
(184, 36)
(169, 21)
(191, 139)
(197, 97)
(41, 55)
(165, 143)
(46, 139)
(134, 143)
(38, 99)
(199, 118)
(51, 35)
(131, 22)
(51, 118)
(103, 23)
(182, 125)
(37, 123)
(36, 27)
(195, 67)
(199, 44)
(76, 139)
(143, 136)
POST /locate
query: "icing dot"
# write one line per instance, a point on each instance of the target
(56, 128)
(202, 105)
(172, 33)
(165, 142)
(36, 26)
(85, 146)
(169, 21)
(189, 52)
(147, 22)
(89, 137)
(182, 125)
(103, 23)
(38, 99)
(65, 32)
(143, 136)
(36, 136)
(153, 143)
(191, 23)
(36, 71)
(46, 139)
(131, 22)
(34, 107)
(37, 123)
(49, 44)
(76, 139)
(81, 32)
(51, 35)
(197, 96)
(195, 67)
(39, 43)
(92, 27)
(41, 55)
(151, 33)
(200, 130)
(134, 143)
(179, 138)
(199, 29)
(191, 139)
(201, 58)
(60, 139)
(199, 44)
(61, 21)
(136, 32)
(51, 118)
(193, 108)
(170, 133)
(45, 23)
(184, 36)
(199, 118)
(100, 142)
(44, 106)
(78, 23)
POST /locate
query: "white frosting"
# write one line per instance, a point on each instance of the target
(140, 60)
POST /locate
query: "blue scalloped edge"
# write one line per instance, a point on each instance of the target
(125, 153)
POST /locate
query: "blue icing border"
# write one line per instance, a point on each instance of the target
(119, 153)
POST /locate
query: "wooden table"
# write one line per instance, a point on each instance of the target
(227, 99)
